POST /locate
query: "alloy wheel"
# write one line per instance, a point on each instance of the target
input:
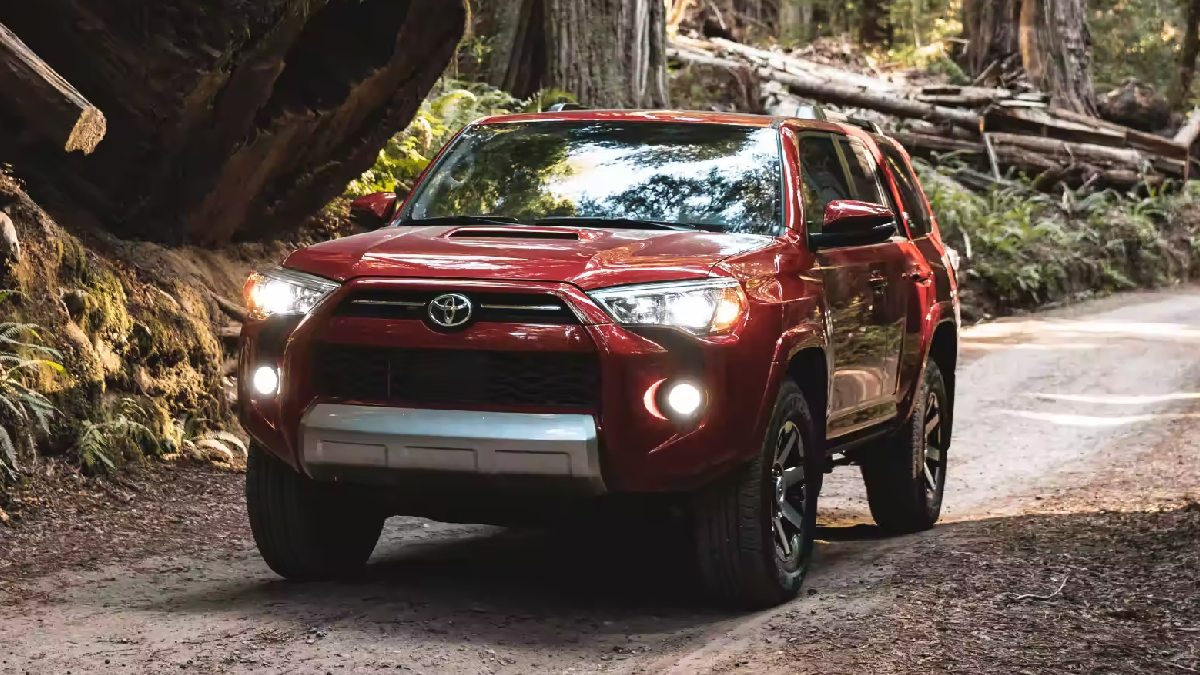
(935, 455)
(788, 481)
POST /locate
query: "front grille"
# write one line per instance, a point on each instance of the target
(456, 377)
(541, 308)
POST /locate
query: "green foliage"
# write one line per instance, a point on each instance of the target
(924, 22)
(1029, 249)
(24, 411)
(1138, 39)
(450, 106)
(120, 433)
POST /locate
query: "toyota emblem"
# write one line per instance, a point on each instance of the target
(450, 310)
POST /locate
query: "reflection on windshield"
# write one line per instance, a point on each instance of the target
(722, 177)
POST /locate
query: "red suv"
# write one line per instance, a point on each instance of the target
(588, 307)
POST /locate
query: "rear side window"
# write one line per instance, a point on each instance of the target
(915, 209)
(863, 171)
(822, 178)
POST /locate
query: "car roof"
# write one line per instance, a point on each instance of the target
(683, 116)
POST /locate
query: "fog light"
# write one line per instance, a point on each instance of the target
(684, 398)
(265, 381)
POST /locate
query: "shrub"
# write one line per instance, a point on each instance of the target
(1028, 249)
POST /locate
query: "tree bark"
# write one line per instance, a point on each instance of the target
(1049, 37)
(990, 27)
(1187, 55)
(1056, 49)
(230, 119)
(607, 53)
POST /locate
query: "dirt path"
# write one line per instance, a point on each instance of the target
(1076, 452)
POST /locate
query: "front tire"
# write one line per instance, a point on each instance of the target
(754, 529)
(306, 530)
(906, 475)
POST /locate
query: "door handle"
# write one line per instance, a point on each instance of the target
(918, 275)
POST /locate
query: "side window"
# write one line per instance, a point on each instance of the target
(822, 178)
(863, 172)
(914, 204)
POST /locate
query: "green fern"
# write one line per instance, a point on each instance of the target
(192, 434)
(24, 411)
(120, 433)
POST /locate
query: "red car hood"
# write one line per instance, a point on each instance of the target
(586, 257)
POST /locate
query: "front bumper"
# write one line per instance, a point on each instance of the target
(620, 443)
(563, 446)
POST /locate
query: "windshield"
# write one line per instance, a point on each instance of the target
(714, 177)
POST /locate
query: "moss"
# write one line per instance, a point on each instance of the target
(105, 311)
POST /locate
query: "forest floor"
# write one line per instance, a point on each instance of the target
(1070, 542)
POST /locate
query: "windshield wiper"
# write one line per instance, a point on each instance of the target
(638, 223)
(462, 219)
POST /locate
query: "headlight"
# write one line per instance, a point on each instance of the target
(703, 306)
(278, 291)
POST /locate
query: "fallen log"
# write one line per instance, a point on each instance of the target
(782, 62)
(1090, 153)
(1190, 130)
(1073, 127)
(44, 100)
(1028, 161)
(829, 90)
(1018, 127)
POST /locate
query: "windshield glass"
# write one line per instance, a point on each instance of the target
(723, 178)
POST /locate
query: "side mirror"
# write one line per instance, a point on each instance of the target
(373, 211)
(849, 222)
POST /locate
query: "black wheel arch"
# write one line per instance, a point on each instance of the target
(809, 369)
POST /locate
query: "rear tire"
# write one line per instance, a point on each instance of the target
(906, 475)
(306, 530)
(754, 529)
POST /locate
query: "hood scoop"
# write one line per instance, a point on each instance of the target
(517, 232)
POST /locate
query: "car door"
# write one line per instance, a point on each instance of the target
(929, 275)
(890, 266)
(856, 281)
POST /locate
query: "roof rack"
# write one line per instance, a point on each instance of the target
(565, 105)
(866, 125)
(811, 111)
(816, 112)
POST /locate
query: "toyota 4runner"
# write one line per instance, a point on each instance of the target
(578, 307)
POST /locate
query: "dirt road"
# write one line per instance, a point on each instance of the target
(1076, 454)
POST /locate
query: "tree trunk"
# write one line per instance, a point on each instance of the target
(229, 119)
(1056, 49)
(608, 53)
(871, 30)
(990, 27)
(1187, 56)
(1051, 37)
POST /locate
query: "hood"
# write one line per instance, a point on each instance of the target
(586, 257)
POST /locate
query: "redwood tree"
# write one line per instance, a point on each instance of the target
(608, 53)
(1051, 37)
